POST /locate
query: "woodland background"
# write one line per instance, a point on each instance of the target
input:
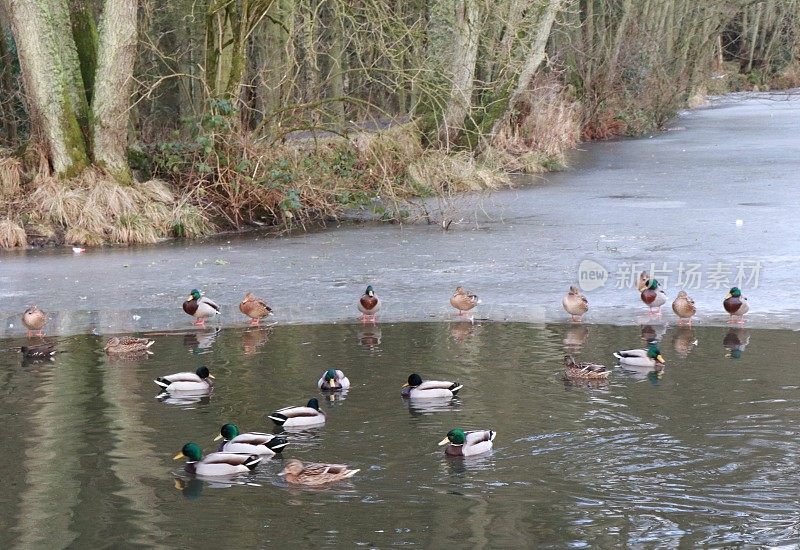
(130, 121)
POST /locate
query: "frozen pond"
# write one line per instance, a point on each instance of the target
(669, 203)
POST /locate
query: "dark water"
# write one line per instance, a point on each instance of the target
(709, 453)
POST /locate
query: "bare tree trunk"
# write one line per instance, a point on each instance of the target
(499, 62)
(465, 55)
(754, 37)
(337, 65)
(589, 42)
(619, 37)
(536, 54)
(308, 43)
(9, 120)
(49, 85)
(534, 59)
(274, 61)
(113, 85)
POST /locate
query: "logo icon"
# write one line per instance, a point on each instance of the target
(591, 275)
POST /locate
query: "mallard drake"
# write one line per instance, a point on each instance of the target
(42, 351)
(463, 300)
(298, 417)
(369, 304)
(254, 308)
(216, 464)
(650, 357)
(295, 471)
(415, 388)
(251, 443)
(736, 305)
(644, 280)
(654, 296)
(333, 380)
(200, 307)
(34, 319)
(127, 344)
(461, 443)
(575, 304)
(199, 381)
(587, 371)
(684, 308)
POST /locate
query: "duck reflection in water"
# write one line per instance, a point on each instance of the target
(460, 465)
(200, 342)
(184, 399)
(421, 407)
(369, 336)
(463, 331)
(334, 397)
(683, 340)
(254, 338)
(653, 333)
(596, 384)
(654, 374)
(191, 489)
(735, 341)
(575, 338)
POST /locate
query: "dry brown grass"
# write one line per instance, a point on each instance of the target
(301, 182)
(788, 78)
(441, 174)
(11, 234)
(548, 123)
(698, 99)
(10, 176)
(92, 209)
(391, 150)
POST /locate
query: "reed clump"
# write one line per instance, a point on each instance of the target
(92, 209)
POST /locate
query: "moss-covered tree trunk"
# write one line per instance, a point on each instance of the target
(84, 32)
(113, 86)
(49, 64)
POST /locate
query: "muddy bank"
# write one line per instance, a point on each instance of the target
(708, 203)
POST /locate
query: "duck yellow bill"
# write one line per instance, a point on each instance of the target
(728, 295)
(218, 437)
(179, 456)
(406, 385)
(659, 358)
(212, 376)
(444, 441)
